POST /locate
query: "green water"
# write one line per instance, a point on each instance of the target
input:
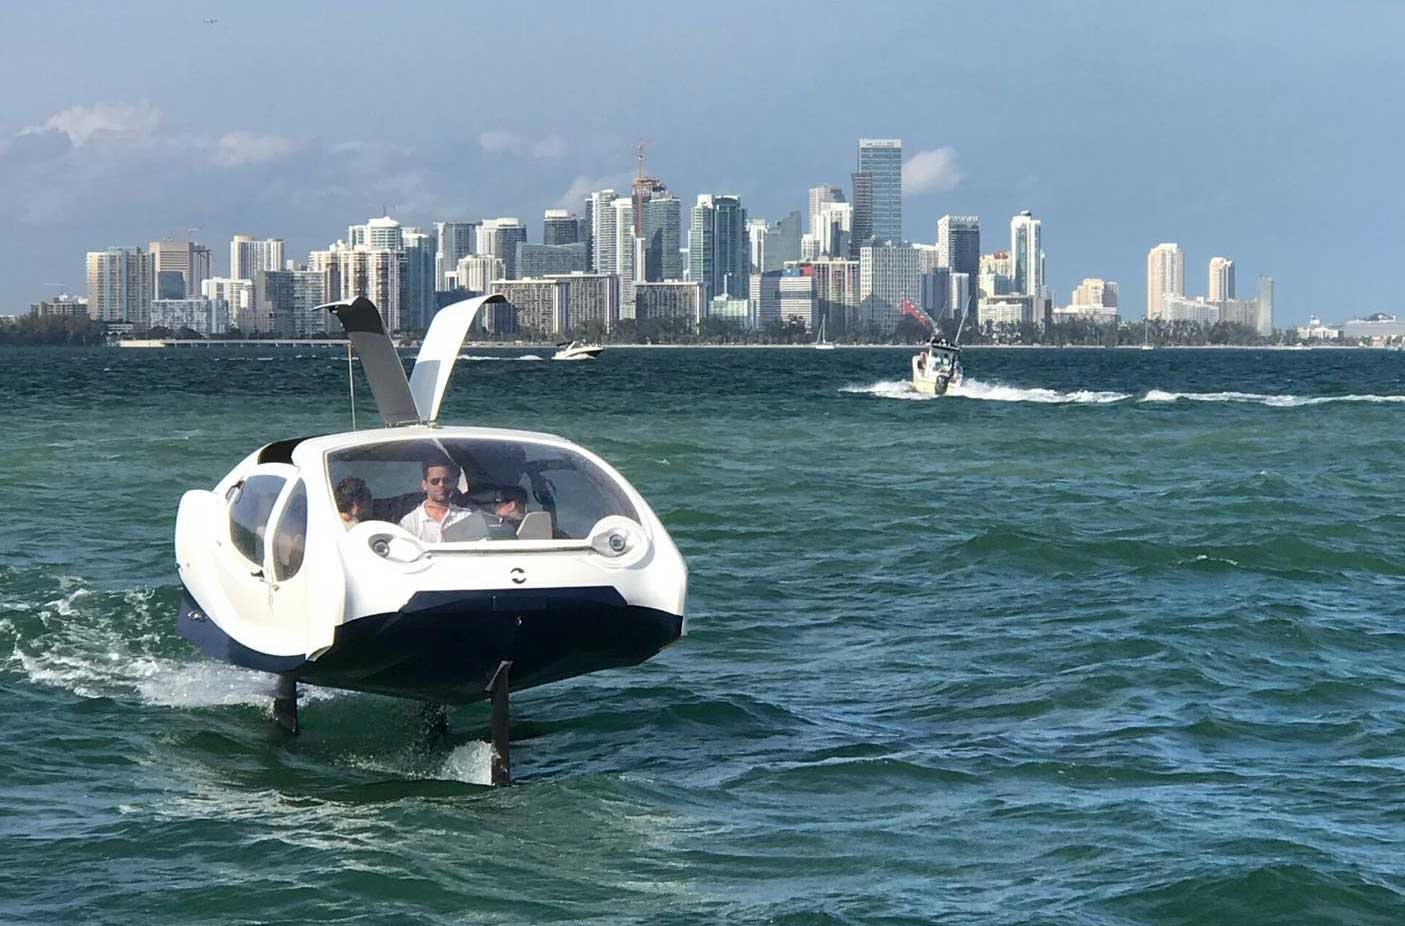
(1109, 637)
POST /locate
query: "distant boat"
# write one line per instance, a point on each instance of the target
(820, 342)
(577, 350)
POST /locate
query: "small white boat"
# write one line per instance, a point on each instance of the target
(937, 368)
(577, 350)
(820, 342)
(441, 564)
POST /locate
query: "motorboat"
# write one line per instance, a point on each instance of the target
(577, 350)
(936, 368)
(820, 342)
(444, 564)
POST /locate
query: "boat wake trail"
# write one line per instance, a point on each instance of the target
(1258, 398)
(497, 357)
(989, 392)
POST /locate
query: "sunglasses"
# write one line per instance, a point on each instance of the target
(441, 480)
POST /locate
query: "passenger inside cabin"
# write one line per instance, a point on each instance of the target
(437, 519)
(353, 500)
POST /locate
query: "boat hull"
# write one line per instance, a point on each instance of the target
(444, 646)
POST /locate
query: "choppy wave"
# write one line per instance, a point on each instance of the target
(499, 357)
(990, 392)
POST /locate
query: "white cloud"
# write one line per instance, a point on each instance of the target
(931, 171)
(499, 141)
(582, 187)
(236, 148)
(83, 124)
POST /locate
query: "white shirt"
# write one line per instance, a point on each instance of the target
(419, 523)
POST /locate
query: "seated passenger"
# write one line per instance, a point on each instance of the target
(437, 519)
(353, 500)
(504, 509)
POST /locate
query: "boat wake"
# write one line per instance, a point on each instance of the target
(1258, 398)
(499, 357)
(989, 392)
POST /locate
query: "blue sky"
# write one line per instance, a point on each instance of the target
(1270, 133)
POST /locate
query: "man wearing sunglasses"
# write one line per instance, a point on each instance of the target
(437, 519)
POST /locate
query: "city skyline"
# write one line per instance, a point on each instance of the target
(111, 151)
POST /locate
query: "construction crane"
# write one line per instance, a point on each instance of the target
(644, 187)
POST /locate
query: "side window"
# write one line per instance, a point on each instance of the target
(249, 508)
(290, 538)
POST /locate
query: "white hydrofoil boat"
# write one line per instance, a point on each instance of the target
(443, 564)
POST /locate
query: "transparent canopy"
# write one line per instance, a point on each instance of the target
(468, 489)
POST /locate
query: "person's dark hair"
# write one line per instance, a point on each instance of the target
(350, 491)
(445, 462)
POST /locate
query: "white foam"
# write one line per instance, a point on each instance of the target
(497, 357)
(1259, 398)
(470, 763)
(990, 392)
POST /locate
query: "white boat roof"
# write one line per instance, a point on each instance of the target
(327, 443)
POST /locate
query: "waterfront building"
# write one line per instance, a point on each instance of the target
(882, 160)
(378, 234)
(289, 299)
(499, 238)
(819, 197)
(959, 250)
(665, 299)
(179, 267)
(232, 300)
(602, 230)
(960, 299)
(1026, 255)
(1221, 284)
(61, 306)
(198, 315)
(1314, 330)
(1265, 301)
(1094, 292)
(453, 242)
(1007, 310)
(591, 298)
(560, 226)
(784, 296)
(418, 280)
(717, 246)
(1096, 313)
(836, 293)
(731, 309)
(1165, 276)
(1240, 312)
(1177, 308)
(889, 284)
(476, 272)
(120, 285)
(363, 271)
(539, 260)
(249, 255)
(538, 307)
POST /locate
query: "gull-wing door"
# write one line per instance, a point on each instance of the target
(435, 362)
(362, 321)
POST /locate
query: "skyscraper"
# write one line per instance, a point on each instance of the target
(659, 228)
(959, 251)
(602, 231)
(836, 226)
(417, 279)
(1165, 275)
(539, 260)
(120, 285)
(882, 159)
(499, 238)
(1027, 255)
(1265, 314)
(560, 226)
(819, 195)
(453, 242)
(889, 284)
(247, 256)
(862, 231)
(717, 246)
(186, 258)
(1221, 280)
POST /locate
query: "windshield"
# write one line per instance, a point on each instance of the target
(458, 489)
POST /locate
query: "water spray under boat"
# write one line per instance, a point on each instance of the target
(442, 564)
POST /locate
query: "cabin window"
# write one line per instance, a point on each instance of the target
(250, 504)
(497, 489)
(290, 539)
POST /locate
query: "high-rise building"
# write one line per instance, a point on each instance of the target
(1221, 280)
(539, 260)
(1095, 292)
(592, 301)
(669, 299)
(756, 244)
(1165, 276)
(417, 279)
(959, 251)
(121, 282)
(882, 159)
(370, 272)
(819, 197)
(836, 225)
(717, 246)
(61, 306)
(659, 224)
(382, 234)
(783, 241)
(539, 305)
(889, 284)
(810, 247)
(1265, 300)
(292, 298)
(602, 230)
(186, 258)
(862, 229)
(499, 238)
(1027, 255)
(560, 226)
(248, 255)
(454, 242)
(836, 293)
(233, 299)
(476, 272)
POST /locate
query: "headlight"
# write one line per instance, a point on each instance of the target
(619, 539)
(395, 549)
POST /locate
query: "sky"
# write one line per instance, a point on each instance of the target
(1267, 132)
